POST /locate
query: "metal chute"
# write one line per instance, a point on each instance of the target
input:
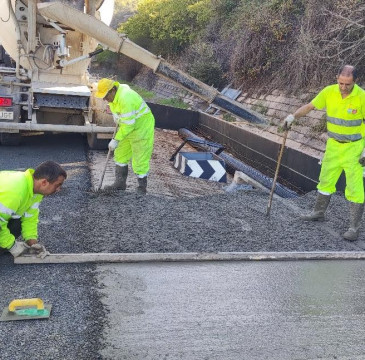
(116, 42)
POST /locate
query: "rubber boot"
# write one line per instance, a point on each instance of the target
(142, 186)
(319, 210)
(120, 183)
(356, 211)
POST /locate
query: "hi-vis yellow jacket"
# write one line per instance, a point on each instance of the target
(133, 115)
(344, 116)
(17, 201)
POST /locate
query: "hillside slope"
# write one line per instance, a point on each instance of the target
(278, 52)
(291, 45)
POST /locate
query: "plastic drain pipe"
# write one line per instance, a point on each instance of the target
(235, 164)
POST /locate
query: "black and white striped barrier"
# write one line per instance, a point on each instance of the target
(203, 165)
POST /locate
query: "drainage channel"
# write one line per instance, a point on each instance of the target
(299, 168)
(234, 164)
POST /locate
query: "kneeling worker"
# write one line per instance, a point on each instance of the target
(20, 195)
(135, 135)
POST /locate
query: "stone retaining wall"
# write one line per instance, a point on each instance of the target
(277, 105)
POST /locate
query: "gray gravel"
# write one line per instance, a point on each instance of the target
(74, 221)
(225, 222)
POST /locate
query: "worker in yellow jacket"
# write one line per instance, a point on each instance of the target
(135, 135)
(21, 192)
(345, 108)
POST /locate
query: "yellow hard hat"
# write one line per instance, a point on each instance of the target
(104, 85)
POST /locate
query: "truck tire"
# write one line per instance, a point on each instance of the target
(10, 139)
(95, 143)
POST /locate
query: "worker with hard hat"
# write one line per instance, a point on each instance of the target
(21, 192)
(345, 108)
(135, 135)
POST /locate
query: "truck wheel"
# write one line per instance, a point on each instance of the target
(95, 143)
(10, 139)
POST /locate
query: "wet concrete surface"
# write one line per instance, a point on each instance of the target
(75, 221)
(234, 310)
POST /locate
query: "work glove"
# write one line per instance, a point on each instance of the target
(113, 144)
(288, 122)
(18, 248)
(362, 158)
(38, 249)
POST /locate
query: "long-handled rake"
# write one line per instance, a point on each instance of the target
(106, 163)
(276, 172)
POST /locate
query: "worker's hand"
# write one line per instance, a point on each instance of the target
(39, 249)
(31, 242)
(288, 122)
(18, 248)
(285, 125)
(362, 158)
(113, 144)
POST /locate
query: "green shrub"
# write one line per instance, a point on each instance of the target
(224, 8)
(106, 57)
(292, 45)
(165, 27)
(209, 72)
(146, 94)
(228, 117)
(174, 102)
(260, 108)
(203, 65)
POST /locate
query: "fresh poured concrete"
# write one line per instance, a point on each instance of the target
(234, 310)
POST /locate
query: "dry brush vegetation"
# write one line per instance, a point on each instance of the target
(264, 44)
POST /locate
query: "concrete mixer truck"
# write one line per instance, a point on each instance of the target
(48, 86)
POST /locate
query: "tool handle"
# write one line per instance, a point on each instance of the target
(104, 170)
(276, 172)
(34, 302)
(106, 162)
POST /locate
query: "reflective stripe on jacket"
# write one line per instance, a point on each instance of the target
(17, 201)
(129, 110)
(344, 116)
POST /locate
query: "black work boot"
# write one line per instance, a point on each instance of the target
(356, 211)
(319, 210)
(142, 186)
(120, 183)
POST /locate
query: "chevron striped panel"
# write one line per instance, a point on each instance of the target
(203, 165)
